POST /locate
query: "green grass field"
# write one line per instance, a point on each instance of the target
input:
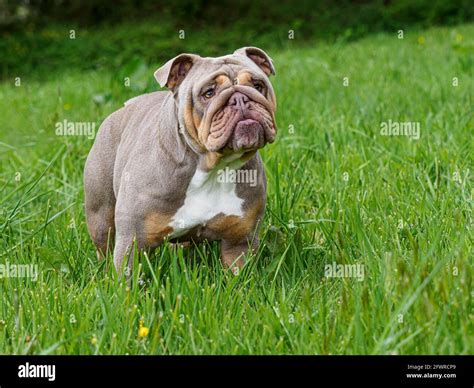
(338, 191)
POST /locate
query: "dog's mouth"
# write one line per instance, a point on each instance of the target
(241, 128)
(248, 134)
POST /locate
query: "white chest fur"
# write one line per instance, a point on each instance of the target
(205, 198)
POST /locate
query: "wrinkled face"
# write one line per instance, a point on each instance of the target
(228, 105)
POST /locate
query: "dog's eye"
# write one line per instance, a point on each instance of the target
(209, 93)
(258, 87)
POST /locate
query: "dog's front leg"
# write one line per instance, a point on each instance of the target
(126, 241)
(123, 247)
(233, 254)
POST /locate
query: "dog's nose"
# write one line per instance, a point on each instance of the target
(238, 99)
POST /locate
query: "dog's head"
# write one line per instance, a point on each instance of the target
(225, 104)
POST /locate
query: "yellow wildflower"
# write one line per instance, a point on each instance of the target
(142, 329)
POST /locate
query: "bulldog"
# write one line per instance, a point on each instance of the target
(154, 172)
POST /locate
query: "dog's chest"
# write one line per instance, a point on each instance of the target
(206, 197)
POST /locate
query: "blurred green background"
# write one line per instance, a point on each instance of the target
(35, 37)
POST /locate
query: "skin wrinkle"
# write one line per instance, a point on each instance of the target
(244, 77)
(222, 80)
(189, 124)
(197, 117)
(210, 161)
(209, 81)
(215, 106)
(226, 121)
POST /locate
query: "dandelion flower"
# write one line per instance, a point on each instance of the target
(143, 331)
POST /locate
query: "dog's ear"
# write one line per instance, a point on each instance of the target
(260, 57)
(173, 72)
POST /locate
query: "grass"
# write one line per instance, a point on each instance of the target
(65, 39)
(338, 192)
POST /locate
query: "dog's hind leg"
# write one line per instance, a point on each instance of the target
(98, 188)
(102, 230)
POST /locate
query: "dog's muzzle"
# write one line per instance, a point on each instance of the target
(244, 122)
